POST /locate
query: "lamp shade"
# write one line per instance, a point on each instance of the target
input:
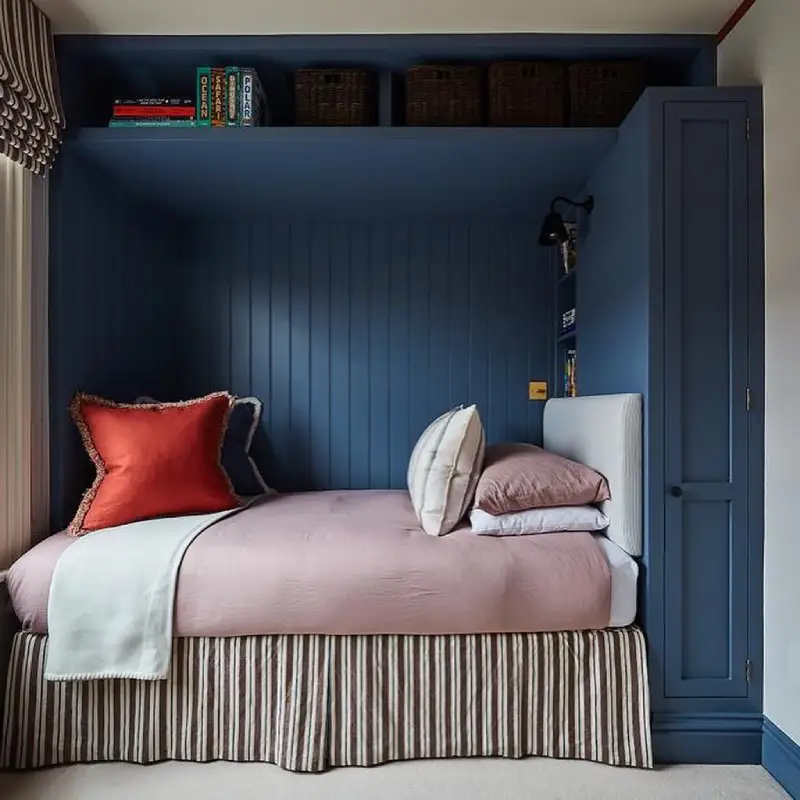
(553, 230)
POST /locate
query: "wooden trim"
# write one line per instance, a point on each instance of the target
(734, 19)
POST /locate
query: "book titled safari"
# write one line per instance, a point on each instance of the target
(218, 97)
(203, 96)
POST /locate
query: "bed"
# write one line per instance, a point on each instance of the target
(326, 629)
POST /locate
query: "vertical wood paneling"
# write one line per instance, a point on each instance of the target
(358, 357)
(279, 401)
(400, 383)
(419, 334)
(115, 325)
(241, 292)
(339, 401)
(379, 361)
(300, 351)
(320, 344)
(356, 335)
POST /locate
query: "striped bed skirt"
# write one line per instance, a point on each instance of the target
(311, 702)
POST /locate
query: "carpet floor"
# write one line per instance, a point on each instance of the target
(464, 779)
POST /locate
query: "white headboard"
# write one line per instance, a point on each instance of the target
(605, 433)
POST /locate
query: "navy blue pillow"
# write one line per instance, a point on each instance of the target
(240, 468)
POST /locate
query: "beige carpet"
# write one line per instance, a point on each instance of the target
(464, 779)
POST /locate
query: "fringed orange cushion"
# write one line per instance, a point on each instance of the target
(153, 460)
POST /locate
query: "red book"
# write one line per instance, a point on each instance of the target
(173, 112)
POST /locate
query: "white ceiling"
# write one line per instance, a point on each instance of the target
(386, 16)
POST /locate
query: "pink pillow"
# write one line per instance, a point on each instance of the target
(517, 477)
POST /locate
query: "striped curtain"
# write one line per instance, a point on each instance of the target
(24, 445)
(31, 116)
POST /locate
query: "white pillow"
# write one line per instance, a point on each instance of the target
(444, 469)
(539, 520)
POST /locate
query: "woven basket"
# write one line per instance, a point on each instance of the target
(601, 93)
(442, 95)
(527, 93)
(334, 97)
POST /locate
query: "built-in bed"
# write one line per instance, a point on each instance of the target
(328, 629)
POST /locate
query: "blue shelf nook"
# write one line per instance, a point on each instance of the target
(360, 281)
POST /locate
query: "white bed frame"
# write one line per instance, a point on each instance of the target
(605, 433)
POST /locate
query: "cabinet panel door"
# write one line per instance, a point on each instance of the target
(706, 339)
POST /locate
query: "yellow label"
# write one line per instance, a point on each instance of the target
(537, 390)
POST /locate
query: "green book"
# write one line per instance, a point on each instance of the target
(233, 114)
(152, 123)
(204, 96)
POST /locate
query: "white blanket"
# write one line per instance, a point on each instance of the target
(112, 597)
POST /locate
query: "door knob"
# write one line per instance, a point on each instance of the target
(676, 491)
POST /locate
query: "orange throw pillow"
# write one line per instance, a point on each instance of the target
(153, 460)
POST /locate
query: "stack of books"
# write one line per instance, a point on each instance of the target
(568, 321)
(154, 112)
(569, 249)
(570, 366)
(230, 97)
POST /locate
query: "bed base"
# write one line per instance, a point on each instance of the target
(311, 702)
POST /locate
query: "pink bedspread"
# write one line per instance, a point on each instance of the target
(358, 562)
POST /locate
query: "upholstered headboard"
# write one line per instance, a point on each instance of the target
(605, 433)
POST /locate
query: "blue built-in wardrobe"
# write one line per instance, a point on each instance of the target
(670, 292)
(362, 281)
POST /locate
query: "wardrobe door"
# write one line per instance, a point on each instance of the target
(706, 399)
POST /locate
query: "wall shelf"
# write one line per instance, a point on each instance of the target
(435, 172)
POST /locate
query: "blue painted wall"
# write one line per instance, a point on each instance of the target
(113, 271)
(613, 279)
(614, 323)
(356, 335)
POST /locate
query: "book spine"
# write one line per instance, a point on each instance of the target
(232, 92)
(204, 96)
(174, 112)
(152, 123)
(155, 101)
(248, 116)
(218, 97)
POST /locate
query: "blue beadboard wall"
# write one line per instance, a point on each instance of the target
(113, 279)
(356, 335)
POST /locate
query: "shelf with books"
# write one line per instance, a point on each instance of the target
(566, 300)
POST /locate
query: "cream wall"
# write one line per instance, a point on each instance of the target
(765, 49)
(387, 16)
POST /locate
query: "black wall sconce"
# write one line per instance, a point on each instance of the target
(553, 229)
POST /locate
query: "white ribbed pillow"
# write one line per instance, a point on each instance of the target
(538, 520)
(444, 469)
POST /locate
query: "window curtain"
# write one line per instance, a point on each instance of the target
(31, 115)
(24, 445)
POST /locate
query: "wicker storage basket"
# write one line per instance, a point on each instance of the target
(334, 97)
(601, 93)
(442, 95)
(527, 93)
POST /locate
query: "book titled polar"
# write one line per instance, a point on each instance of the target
(253, 101)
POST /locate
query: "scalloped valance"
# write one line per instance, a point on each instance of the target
(31, 115)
